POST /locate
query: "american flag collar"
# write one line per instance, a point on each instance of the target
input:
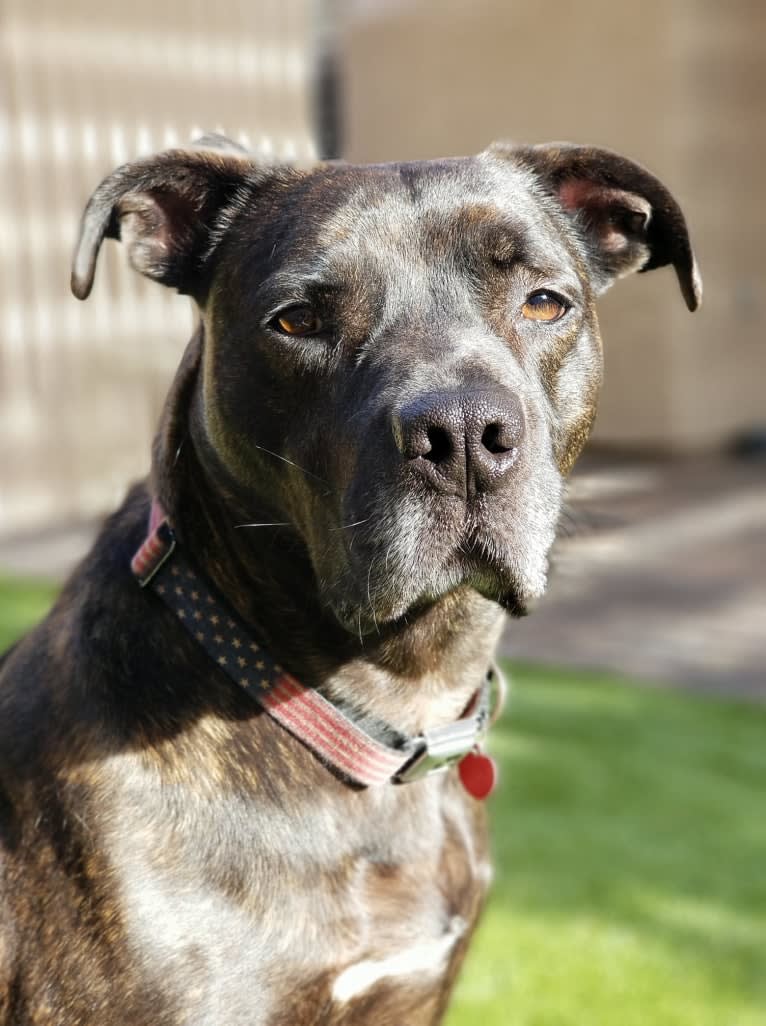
(330, 734)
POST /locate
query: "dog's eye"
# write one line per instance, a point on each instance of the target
(544, 306)
(297, 321)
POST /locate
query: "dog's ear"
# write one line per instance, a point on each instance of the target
(168, 210)
(629, 219)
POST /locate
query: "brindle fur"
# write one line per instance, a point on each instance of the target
(168, 853)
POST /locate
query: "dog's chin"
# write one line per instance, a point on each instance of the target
(406, 605)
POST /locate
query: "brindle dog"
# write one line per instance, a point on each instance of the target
(395, 368)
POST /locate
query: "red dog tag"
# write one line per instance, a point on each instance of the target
(478, 774)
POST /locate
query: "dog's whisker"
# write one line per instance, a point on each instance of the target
(369, 597)
(297, 466)
(388, 553)
(277, 523)
(178, 450)
(356, 523)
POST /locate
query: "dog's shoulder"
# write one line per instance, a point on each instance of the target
(48, 676)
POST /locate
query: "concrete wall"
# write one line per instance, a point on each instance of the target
(678, 85)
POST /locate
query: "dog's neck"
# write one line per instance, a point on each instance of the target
(419, 674)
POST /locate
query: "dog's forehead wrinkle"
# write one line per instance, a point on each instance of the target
(300, 281)
(440, 197)
(396, 241)
(411, 244)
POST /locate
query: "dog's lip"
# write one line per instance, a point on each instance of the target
(359, 619)
(490, 578)
(362, 619)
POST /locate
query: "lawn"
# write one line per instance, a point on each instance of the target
(22, 603)
(630, 849)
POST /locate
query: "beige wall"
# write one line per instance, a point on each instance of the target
(679, 86)
(86, 85)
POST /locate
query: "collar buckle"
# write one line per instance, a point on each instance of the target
(438, 749)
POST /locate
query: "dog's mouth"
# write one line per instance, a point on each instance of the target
(386, 555)
(403, 592)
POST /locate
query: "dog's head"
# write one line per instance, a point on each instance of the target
(403, 360)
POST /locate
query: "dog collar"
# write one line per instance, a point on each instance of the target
(321, 726)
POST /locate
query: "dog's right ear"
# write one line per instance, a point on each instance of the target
(169, 210)
(628, 219)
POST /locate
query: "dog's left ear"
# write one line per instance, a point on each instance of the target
(629, 219)
(168, 210)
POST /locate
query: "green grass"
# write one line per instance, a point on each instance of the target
(22, 603)
(630, 851)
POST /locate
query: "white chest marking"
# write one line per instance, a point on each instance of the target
(429, 957)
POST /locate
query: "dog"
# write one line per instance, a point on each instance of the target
(219, 797)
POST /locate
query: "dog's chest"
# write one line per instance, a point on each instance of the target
(320, 910)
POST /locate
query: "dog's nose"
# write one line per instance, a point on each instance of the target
(462, 442)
